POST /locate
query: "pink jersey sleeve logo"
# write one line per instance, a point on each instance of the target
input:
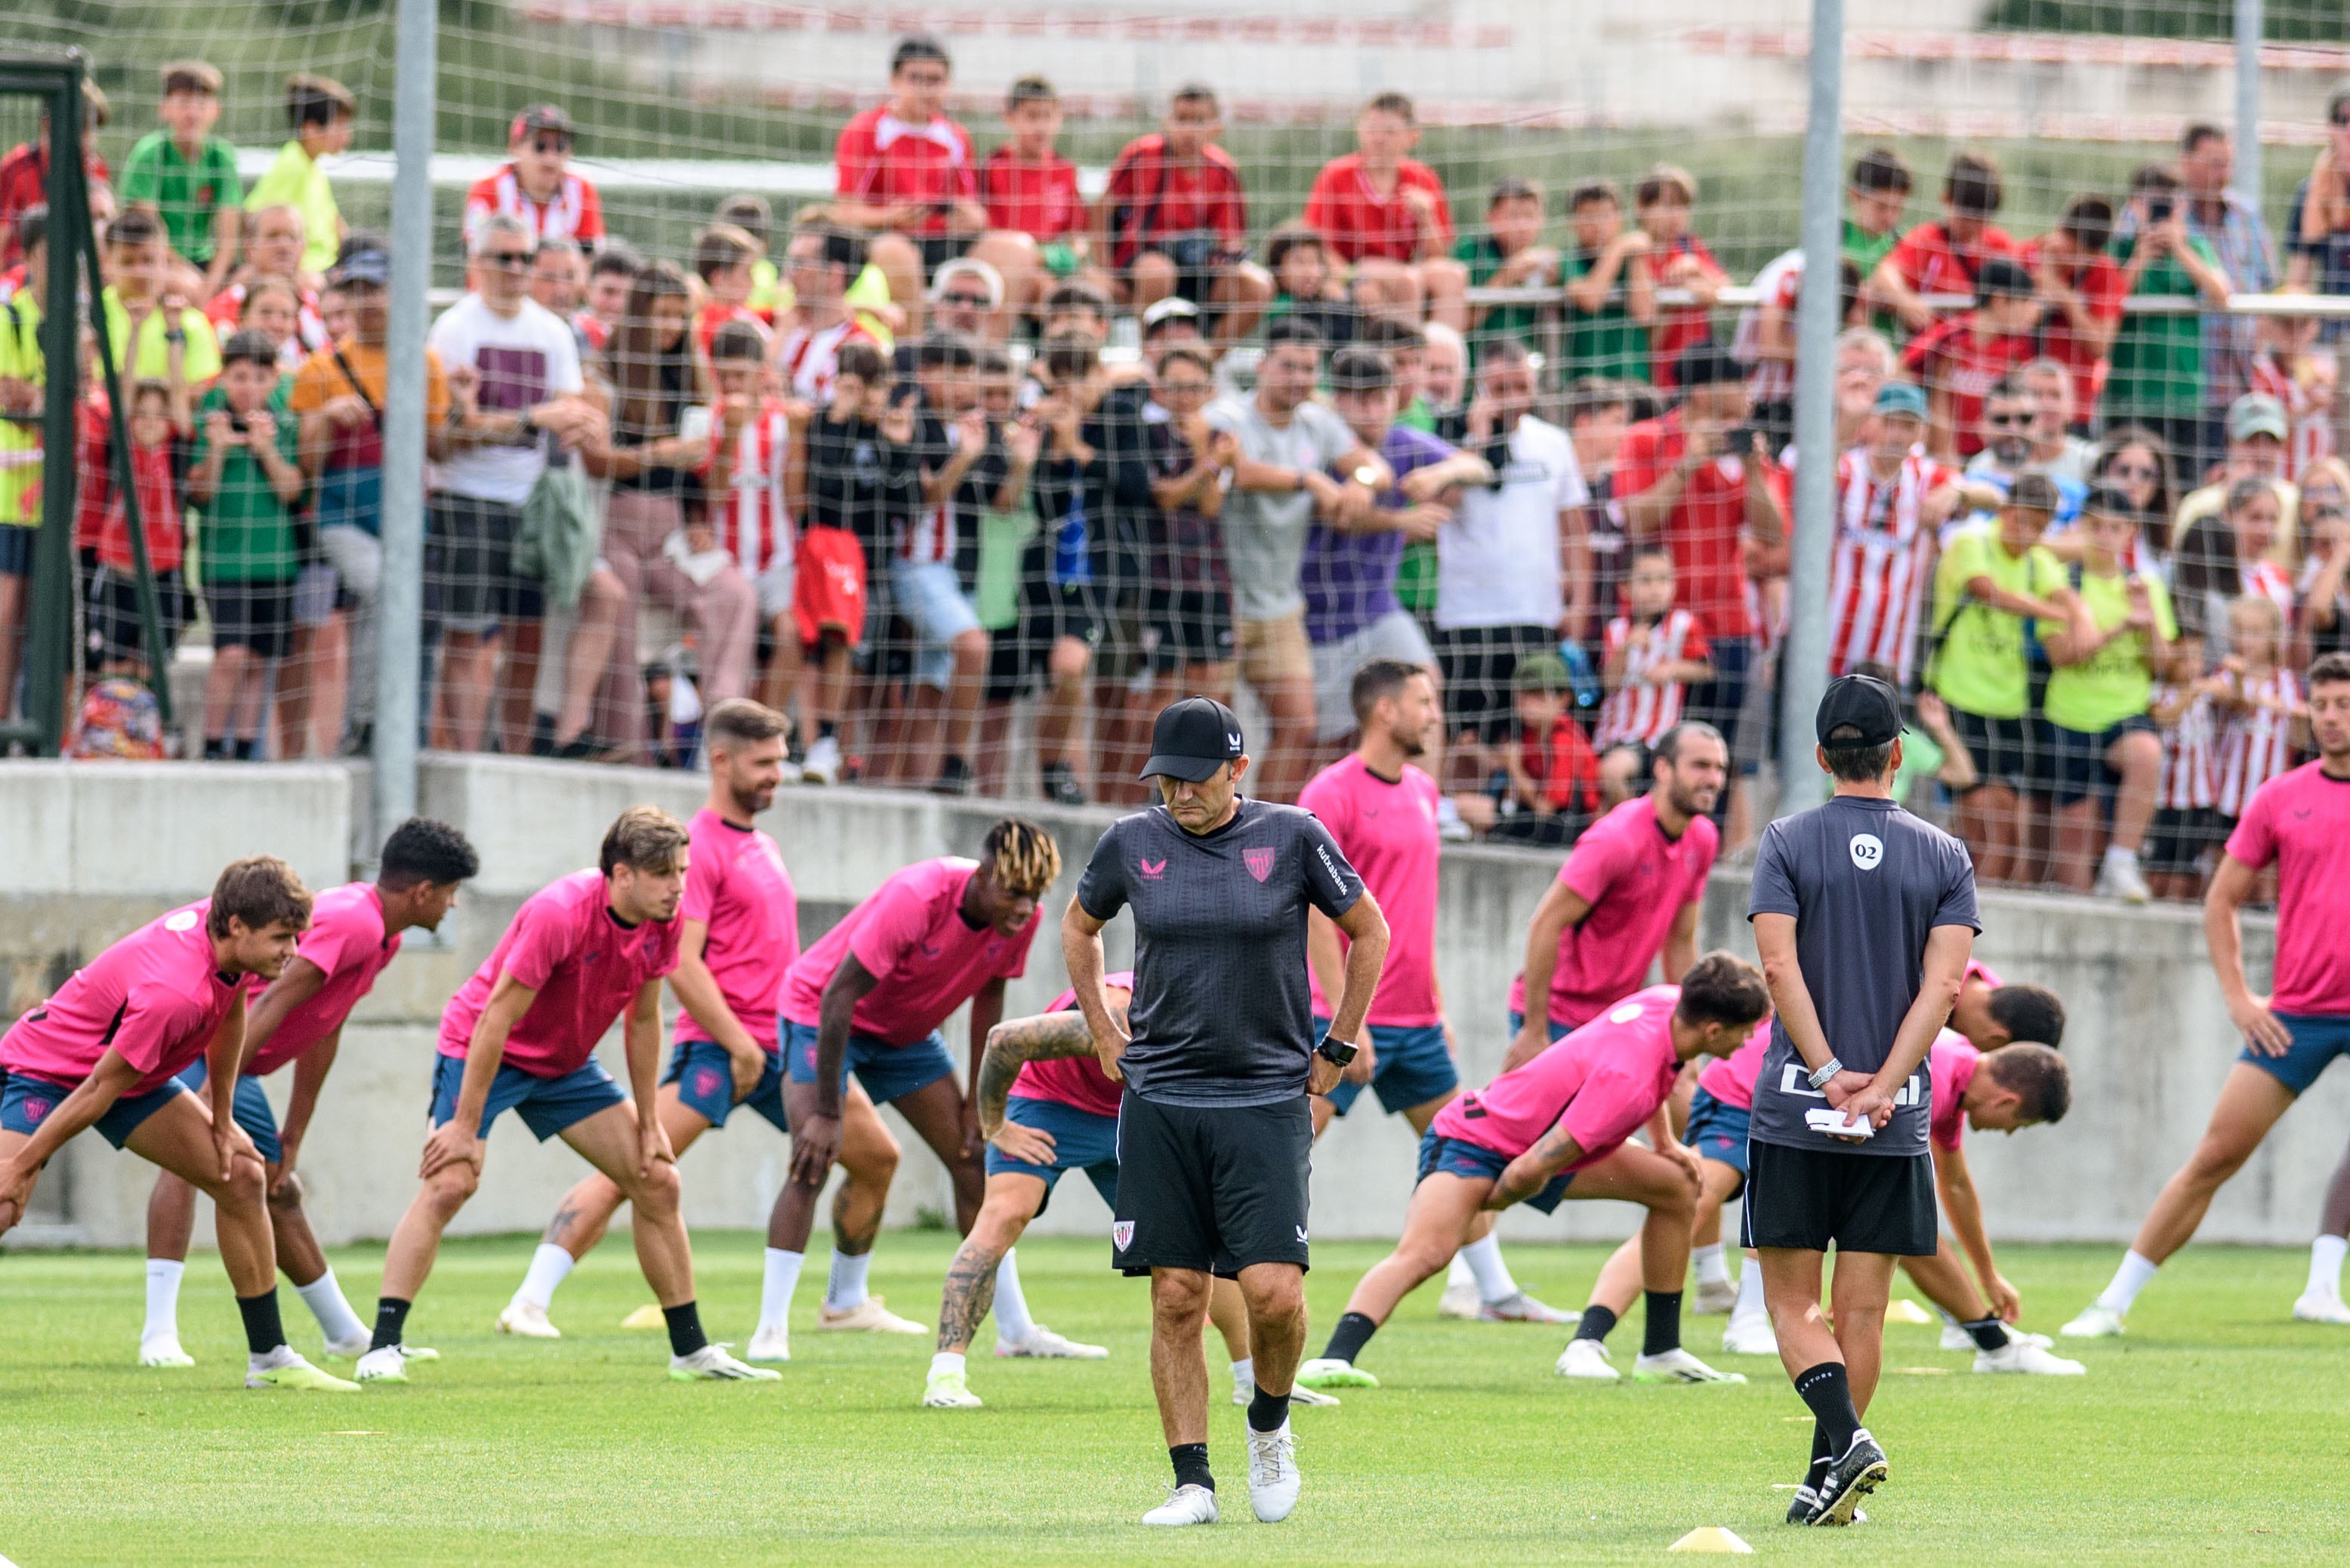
(1259, 862)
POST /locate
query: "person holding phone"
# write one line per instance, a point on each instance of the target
(2157, 368)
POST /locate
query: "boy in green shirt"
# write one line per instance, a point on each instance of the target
(248, 481)
(2155, 377)
(321, 111)
(2107, 654)
(1506, 256)
(187, 176)
(1606, 326)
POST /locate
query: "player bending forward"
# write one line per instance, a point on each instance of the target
(1557, 1128)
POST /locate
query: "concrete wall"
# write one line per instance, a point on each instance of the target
(97, 847)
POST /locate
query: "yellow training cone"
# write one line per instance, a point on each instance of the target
(1712, 1538)
(1904, 1310)
(645, 1318)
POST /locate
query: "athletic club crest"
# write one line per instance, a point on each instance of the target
(706, 1082)
(1259, 862)
(1121, 1234)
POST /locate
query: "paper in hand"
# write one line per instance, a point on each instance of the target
(1834, 1125)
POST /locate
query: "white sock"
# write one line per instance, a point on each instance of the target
(2128, 1280)
(1484, 1259)
(1244, 1373)
(1012, 1323)
(548, 1265)
(2116, 856)
(2324, 1265)
(776, 1294)
(946, 1361)
(1459, 1274)
(1750, 1290)
(324, 1297)
(845, 1288)
(1710, 1269)
(163, 1299)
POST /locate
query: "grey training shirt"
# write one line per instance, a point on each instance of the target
(1865, 882)
(1222, 1013)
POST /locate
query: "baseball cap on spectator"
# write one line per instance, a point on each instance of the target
(1901, 398)
(1356, 369)
(2256, 414)
(1545, 672)
(1191, 739)
(362, 263)
(1174, 307)
(1706, 363)
(1863, 702)
(541, 117)
(2034, 492)
(2004, 276)
(971, 267)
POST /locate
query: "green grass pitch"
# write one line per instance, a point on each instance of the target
(2217, 1429)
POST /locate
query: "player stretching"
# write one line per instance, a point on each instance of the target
(1554, 1129)
(106, 1052)
(739, 933)
(1382, 812)
(520, 1036)
(868, 1000)
(354, 932)
(2300, 822)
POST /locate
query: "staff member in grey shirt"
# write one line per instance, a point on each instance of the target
(1865, 918)
(1214, 1136)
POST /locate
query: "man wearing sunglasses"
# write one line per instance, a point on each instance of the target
(536, 185)
(2010, 432)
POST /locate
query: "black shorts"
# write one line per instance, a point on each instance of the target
(939, 249)
(1478, 663)
(1018, 657)
(1806, 1198)
(1210, 1187)
(116, 634)
(2001, 749)
(2079, 769)
(1720, 700)
(1194, 627)
(2176, 838)
(255, 616)
(470, 584)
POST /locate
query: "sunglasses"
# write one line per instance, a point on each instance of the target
(550, 146)
(511, 260)
(967, 301)
(2007, 422)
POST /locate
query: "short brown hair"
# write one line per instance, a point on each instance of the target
(643, 838)
(1722, 988)
(1375, 682)
(1029, 89)
(738, 340)
(2089, 222)
(739, 721)
(2036, 1075)
(260, 891)
(191, 76)
(1879, 172)
(1972, 186)
(1666, 180)
(1592, 191)
(1021, 857)
(719, 246)
(317, 101)
(1394, 103)
(2328, 668)
(134, 226)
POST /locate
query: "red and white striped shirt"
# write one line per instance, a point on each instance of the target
(2268, 579)
(2257, 745)
(1883, 562)
(1778, 283)
(2308, 412)
(809, 361)
(2191, 755)
(310, 334)
(573, 213)
(1640, 709)
(752, 517)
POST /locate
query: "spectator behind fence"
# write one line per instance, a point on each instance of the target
(1892, 503)
(1993, 577)
(320, 111)
(2008, 429)
(2182, 831)
(1028, 188)
(274, 247)
(2219, 559)
(1051, 614)
(1384, 214)
(2257, 431)
(811, 334)
(609, 275)
(2080, 293)
(1597, 414)
(1173, 220)
(1509, 254)
(1949, 256)
(148, 319)
(1652, 654)
(25, 171)
(1547, 789)
(722, 257)
(2288, 365)
(964, 297)
(187, 177)
(1677, 259)
(2324, 587)
(2246, 256)
(754, 468)
(558, 283)
(246, 480)
(2317, 230)
(24, 377)
(1957, 360)
(536, 185)
(1190, 588)
(2057, 450)
(2134, 461)
(159, 421)
(2264, 720)
(1875, 193)
(2158, 359)
(1306, 287)
(1611, 288)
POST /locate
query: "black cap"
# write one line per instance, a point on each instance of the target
(1865, 702)
(1193, 738)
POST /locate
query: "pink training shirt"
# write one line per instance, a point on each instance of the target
(912, 936)
(737, 887)
(1977, 969)
(155, 997)
(1636, 880)
(1600, 1083)
(1077, 1082)
(347, 942)
(1388, 829)
(2301, 820)
(1730, 1079)
(567, 945)
(1951, 1063)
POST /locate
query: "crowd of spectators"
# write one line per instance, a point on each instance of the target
(871, 463)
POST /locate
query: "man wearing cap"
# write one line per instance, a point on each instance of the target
(2258, 430)
(1172, 323)
(1864, 917)
(1218, 1056)
(1958, 358)
(537, 185)
(1892, 502)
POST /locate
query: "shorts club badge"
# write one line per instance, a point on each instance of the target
(1121, 1234)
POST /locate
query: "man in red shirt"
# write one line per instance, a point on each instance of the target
(536, 185)
(1958, 361)
(1947, 257)
(2082, 288)
(1173, 221)
(24, 173)
(904, 171)
(1383, 213)
(1028, 188)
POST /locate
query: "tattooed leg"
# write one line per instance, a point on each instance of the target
(586, 1211)
(1011, 1201)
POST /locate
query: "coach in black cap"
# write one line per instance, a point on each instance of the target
(1214, 1134)
(1865, 917)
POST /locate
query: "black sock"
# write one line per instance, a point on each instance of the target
(390, 1322)
(685, 1335)
(1989, 1334)
(1598, 1322)
(1662, 1332)
(1267, 1412)
(263, 1331)
(1346, 1340)
(827, 729)
(1191, 1465)
(1825, 1389)
(245, 749)
(1821, 1458)
(215, 749)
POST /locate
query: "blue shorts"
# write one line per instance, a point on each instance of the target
(1718, 1132)
(1081, 1141)
(1475, 1162)
(1411, 1067)
(251, 1109)
(2317, 1039)
(28, 1102)
(547, 1105)
(1558, 1031)
(705, 1076)
(888, 1072)
(15, 550)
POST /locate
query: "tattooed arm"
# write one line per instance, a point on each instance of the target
(1526, 1174)
(1047, 1037)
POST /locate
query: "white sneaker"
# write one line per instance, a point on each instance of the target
(1460, 1302)
(1752, 1334)
(1586, 1358)
(1449, 827)
(1956, 1338)
(823, 763)
(1329, 1372)
(383, 1365)
(2095, 1323)
(868, 1315)
(2121, 879)
(710, 1364)
(771, 1342)
(2319, 1306)
(2017, 1357)
(163, 1350)
(1043, 1345)
(948, 1391)
(1715, 1297)
(527, 1319)
(1185, 1505)
(1273, 1480)
(1520, 1307)
(1678, 1366)
(283, 1368)
(1298, 1395)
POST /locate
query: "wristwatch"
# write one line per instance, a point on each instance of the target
(1340, 1052)
(1367, 477)
(1825, 1071)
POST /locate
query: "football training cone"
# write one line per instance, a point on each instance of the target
(1712, 1538)
(1904, 1310)
(645, 1318)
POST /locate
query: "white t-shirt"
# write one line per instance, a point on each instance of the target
(1265, 532)
(524, 360)
(1497, 560)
